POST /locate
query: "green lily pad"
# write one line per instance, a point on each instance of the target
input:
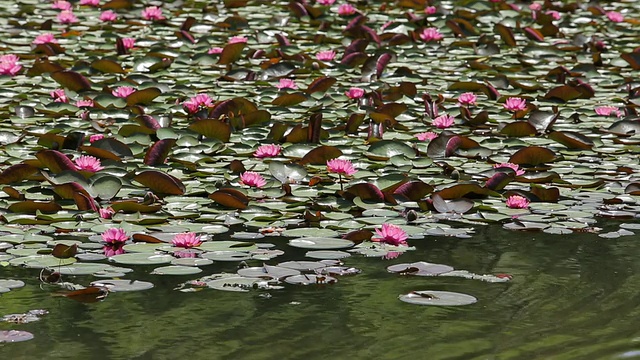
(437, 298)
(141, 259)
(123, 285)
(176, 270)
(327, 254)
(320, 243)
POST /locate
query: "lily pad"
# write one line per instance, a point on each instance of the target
(176, 270)
(123, 285)
(420, 268)
(310, 279)
(437, 298)
(11, 336)
(320, 243)
(267, 271)
(327, 254)
(141, 259)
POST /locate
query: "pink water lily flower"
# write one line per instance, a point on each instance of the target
(197, 102)
(346, 10)
(84, 103)
(128, 43)
(59, 95)
(326, 2)
(391, 234)
(443, 121)
(607, 110)
(67, 17)
(186, 240)
(215, 50)
(267, 151)
(509, 165)
(554, 14)
(467, 98)
(112, 250)
(90, 2)
(108, 16)
(106, 213)
(431, 34)
(341, 166)
(424, 136)
(515, 104)
(615, 16)
(95, 137)
(237, 40)
(430, 10)
(355, 93)
(392, 255)
(61, 5)
(115, 236)
(535, 7)
(517, 202)
(152, 13)
(252, 179)
(9, 65)
(286, 84)
(123, 91)
(326, 55)
(88, 163)
(46, 38)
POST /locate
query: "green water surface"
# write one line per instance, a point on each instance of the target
(572, 297)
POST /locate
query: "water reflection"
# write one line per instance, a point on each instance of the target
(572, 297)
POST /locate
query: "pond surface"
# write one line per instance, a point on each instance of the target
(572, 297)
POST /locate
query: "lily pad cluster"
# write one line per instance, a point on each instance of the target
(321, 121)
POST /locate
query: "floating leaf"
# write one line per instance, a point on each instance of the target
(443, 146)
(230, 198)
(543, 120)
(413, 190)
(320, 243)
(106, 187)
(17, 173)
(55, 161)
(71, 80)
(572, 140)
(421, 268)
(320, 155)
(113, 146)
(107, 66)
(464, 190)
(287, 173)
(563, 93)
(160, 182)
(231, 53)
(62, 251)
(144, 97)
(364, 191)
(532, 155)
(13, 336)
(321, 84)
(518, 129)
(310, 279)
(437, 298)
(385, 149)
(158, 152)
(123, 285)
(506, 33)
(211, 128)
(457, 206)
(32, 207)
(289, 99)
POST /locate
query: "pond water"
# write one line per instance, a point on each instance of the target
(572, 297)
